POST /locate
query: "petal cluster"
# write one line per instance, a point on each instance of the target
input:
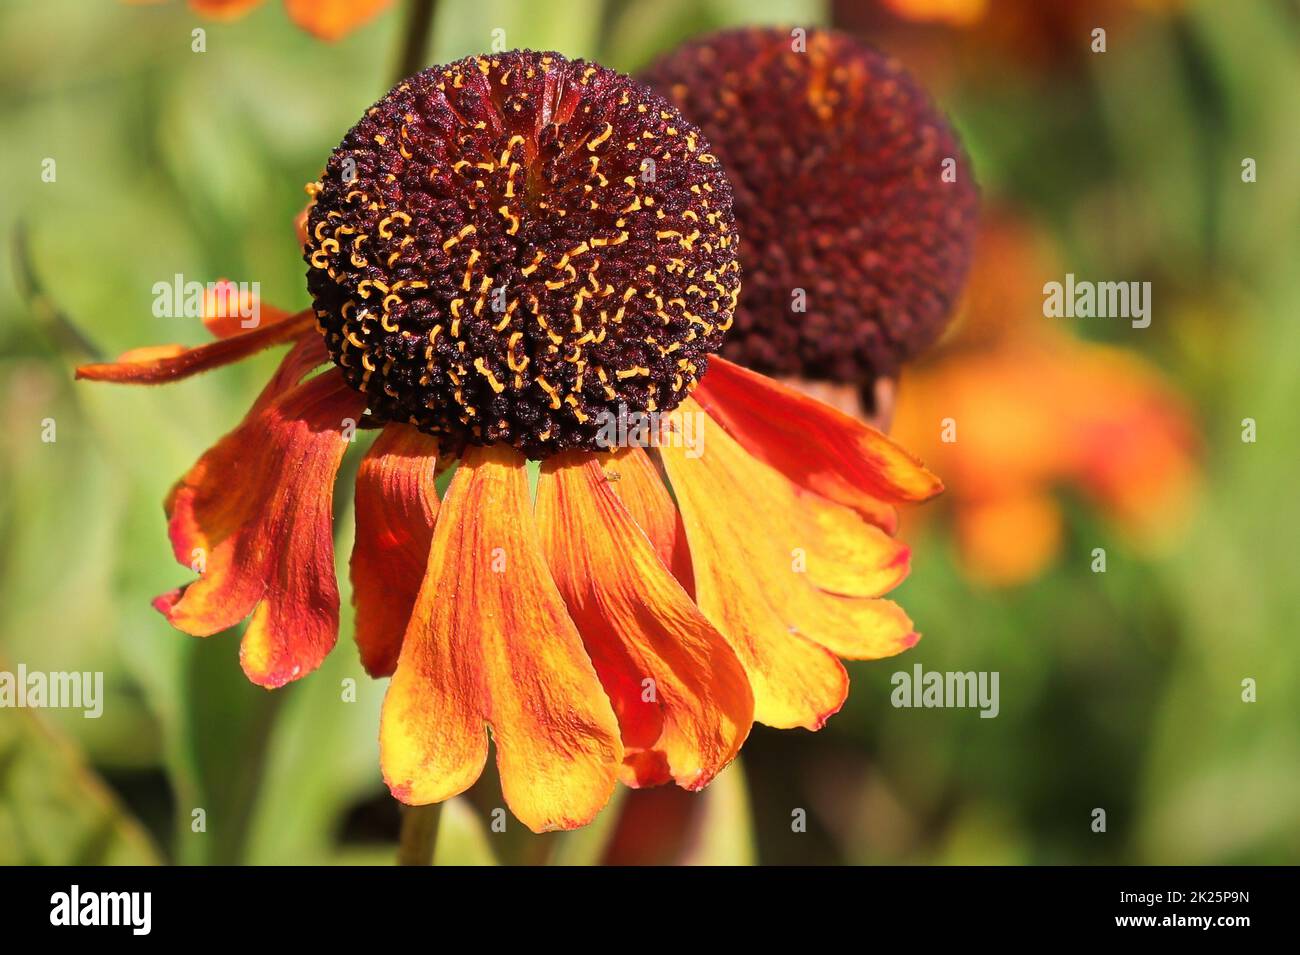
(628, 622)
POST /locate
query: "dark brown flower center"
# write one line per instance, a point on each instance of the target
(854, 199)
(515, 248)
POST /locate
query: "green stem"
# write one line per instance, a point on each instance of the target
(48, 315)
(419, 834)
(415, 39)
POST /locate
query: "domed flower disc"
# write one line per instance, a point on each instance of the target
(855, 203)
(514, 248)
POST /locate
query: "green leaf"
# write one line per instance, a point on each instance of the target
(54, 809)
(323, 752)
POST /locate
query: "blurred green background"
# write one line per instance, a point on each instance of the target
(1119, 690)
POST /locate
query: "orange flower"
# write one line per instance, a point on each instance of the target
(1013, 408)
(494, 278)
(325, 19)
(949, 42)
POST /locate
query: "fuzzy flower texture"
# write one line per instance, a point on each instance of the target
(505, 255)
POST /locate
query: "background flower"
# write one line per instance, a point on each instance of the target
(1034, 411)
(855, 200)
(325, 19)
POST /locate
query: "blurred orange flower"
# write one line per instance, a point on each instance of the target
(949, 39)
(1012, 408)
(325, 19)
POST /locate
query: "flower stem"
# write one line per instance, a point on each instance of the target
(415, 38)
(419, 834)
(883, 397)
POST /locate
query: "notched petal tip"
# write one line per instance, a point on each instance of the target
(789, 620)
(642, 631)
(253, 517)
(164, 603)
(465, 665)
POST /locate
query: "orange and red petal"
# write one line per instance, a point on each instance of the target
(333, 19)
(759, 559)
(396, 505)
(682, 698)
(254, 518)
(307, 354)
(230, 309)
(164, 363)
(841, 551)
(490, 641)
(814, 445)
(634, 477)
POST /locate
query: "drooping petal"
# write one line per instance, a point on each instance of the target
(814, 445)
(633, 476)
(332, 19)
(490, 640)
(756, 558)
(164, 363)
(254, 517)
(306, 354)
(432, 732)
(841, 551)
(230, 309)
(682, 698)
(396, 505)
